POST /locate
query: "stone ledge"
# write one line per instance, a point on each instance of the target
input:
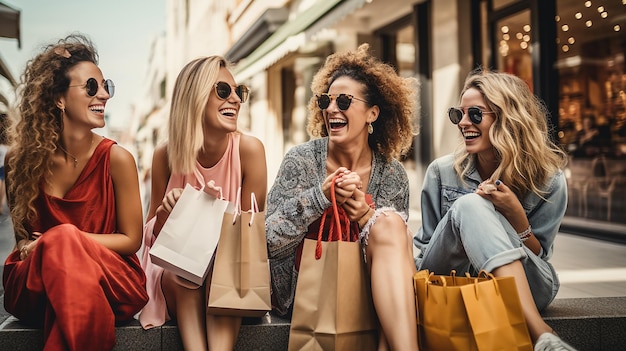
(269, 333)
(586, 323)
(595, 323)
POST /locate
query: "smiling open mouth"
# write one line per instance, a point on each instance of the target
(336, 123)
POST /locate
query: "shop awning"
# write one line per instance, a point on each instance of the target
(258, 32)
(10, 23)
(294, 34)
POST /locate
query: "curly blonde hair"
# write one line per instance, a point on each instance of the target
(519, 134)
(394, 95)
(35, 130)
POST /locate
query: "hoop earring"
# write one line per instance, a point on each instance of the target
(370, 128)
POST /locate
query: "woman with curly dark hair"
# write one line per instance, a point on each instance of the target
(75, 205)
(362, 117)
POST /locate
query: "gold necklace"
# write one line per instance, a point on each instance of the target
(72, 156)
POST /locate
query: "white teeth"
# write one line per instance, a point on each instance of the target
(471, 134)
(97, 108)
(336, 120)
(228, 111)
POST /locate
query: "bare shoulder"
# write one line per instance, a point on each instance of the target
(160, 152)
(121, 157)
(251, 146)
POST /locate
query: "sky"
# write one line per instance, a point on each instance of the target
(121, 30)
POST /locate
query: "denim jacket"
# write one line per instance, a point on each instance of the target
(442, 186)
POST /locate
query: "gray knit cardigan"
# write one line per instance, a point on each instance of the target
(296, 200)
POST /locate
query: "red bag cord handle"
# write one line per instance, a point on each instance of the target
(334, 226)
(333, 199)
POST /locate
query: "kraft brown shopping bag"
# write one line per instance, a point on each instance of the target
(469, 313)
(333, 308)
(240, 284)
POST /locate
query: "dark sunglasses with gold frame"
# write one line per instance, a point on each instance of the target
(92, 87)
(223, 91)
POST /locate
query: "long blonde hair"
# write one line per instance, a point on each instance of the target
(193, 86)
(35, 132)
(519, 134)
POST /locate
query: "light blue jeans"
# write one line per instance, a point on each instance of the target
(473, 236)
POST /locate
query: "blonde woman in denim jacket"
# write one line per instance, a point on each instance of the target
(497, 203)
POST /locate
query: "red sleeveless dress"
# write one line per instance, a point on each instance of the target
(71, 285)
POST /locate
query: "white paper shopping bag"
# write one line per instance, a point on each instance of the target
(190, 235)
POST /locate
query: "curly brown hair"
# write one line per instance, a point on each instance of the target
(35, 131)
(394, 95)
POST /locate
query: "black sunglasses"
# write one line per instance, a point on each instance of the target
(343, 100)
(92, 87)
(475, 114)
(223, 91)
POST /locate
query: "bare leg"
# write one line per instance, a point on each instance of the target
(536, 324)
(188, 306)
(391, 269)
(383, 345)
(222, 332)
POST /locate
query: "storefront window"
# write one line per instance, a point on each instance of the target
(398, 49)
(498, 4)
(592, 105)
(514, 46)
(405, 52)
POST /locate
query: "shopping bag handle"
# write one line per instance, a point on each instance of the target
(444, 283)
(237, 206)
(334, 226)
(489, 276)
(213, 186)
(254, 208)
(333, 198)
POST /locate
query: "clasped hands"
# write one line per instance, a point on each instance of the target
(349, 192)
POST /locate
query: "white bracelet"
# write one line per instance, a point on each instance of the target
(525, 235)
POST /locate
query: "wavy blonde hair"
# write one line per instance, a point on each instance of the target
(193, 86)
(519, 134)
(395, 96)
(35, 130)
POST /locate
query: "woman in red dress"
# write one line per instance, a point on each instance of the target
(75, 205)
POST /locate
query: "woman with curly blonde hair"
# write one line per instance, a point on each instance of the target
(75, 205)
(362, 115)
(497, 203)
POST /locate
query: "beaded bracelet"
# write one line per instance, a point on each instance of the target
(525, 235)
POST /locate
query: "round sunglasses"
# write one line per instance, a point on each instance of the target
(343, 100)
(223, 91)
(92, 87)
(475, 114)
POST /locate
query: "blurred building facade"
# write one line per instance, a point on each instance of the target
(9, 28)
(570, 52)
